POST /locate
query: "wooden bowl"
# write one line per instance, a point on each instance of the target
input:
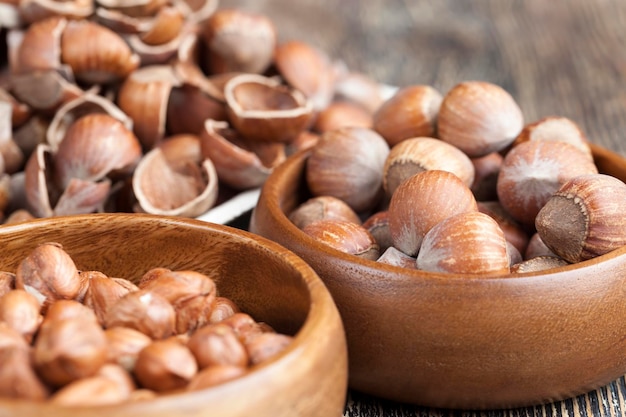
(264, 279)
(457, 342)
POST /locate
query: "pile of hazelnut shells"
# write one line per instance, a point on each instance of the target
(160, 106)
(81, 338)
(459, 183)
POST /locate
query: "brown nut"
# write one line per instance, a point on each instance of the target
(422, 201)
(40, 47)
(145, 311)
(96, 146)
(96, 54)
(486, 170)
(244, 326)
(165, 365)
(344, 236)
(532, 171)
(119, 375)
(70, 349)
(124, 344)
(21, 311)
(144, 96)
(538, 263)
(536, 248)
(194, 313)
(17, 376)
(513, 231)
(322, 208)
(594, 207)
(176, 286)
(90, 392)
(223, 308)
(416, 154)
(307, 69)
(378, 225)
(348, 164)
(340, 114)
(266, 346)
(466, 243)
(69, 309)
(237, 40)
(49, 273)
(88, 103)
(217, 344)
(215, 375)
(395, 257)
(188, 108)
(361, 89)
(479, 118)
(411, 112)
(11, 338)
(103, 292)
(7, 282)
(555, 129)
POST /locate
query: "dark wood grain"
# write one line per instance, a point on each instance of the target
(563, 58)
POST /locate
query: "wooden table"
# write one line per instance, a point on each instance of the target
(558, 57)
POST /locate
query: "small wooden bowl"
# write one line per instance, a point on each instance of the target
(265, 280)
(457, 342)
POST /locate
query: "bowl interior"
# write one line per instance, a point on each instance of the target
(288, 189)
(454, 341)
(128, 246)
(265, 280)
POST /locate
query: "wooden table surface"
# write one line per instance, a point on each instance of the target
(558, 57)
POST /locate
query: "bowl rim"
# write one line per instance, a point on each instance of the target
(270, 189)
(321, 308)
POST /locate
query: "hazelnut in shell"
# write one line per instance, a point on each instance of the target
(307, 69)
(479, 118)
(422, 201)
(348, 164)
(532, 171)
(411, 112)
(467, 243)
(593, 206)
(344, 236)
(237, 40)
(555, 129)
(322, 208)
(417, 154)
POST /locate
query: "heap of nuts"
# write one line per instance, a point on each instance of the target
(458, 183)
(166, 107)
(77, 338)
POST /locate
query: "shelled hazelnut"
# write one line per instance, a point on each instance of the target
(122, 341)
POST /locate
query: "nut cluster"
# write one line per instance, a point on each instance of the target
(78, 338)
(165, 107)
(458, 183)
